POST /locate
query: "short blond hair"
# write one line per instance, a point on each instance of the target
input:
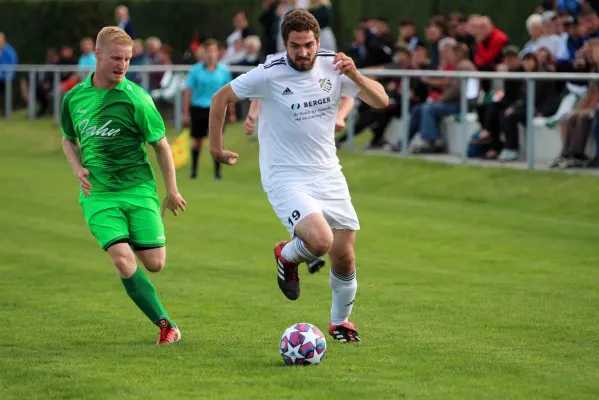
(113, 35)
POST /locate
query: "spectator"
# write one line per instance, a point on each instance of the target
(590, 22)
(408, 34)
(87, 59)
(121, 14)
(534, 25)
(546, 103)
(236, 54)
(379, 43)
(67, 79)
(8, 57)
(434, 33)
(490, 42)
(242, 30)
(252, 46)
(571, 41)
(431, 113)
(44, 85)
(283, 8)
(463, 35)
(152, 57)
(488, 140)
(268, 19)
(550, 38)
(357, 50)
(438, 85)
(323, 12)
(137, 59)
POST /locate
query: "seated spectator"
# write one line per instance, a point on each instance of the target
(87, 59)
(323, 12)
(575, 126)
(571, 6)
(488, 140)
(490, 42)
(534, 26)
(236, 54)
(430, 114)
(408, 34)
(550, 39)
(546, 103)
(571, 41)
(152, 57)
(438, 85)
(252, 46)
(44, 85)
(463, 35)
(590, 22)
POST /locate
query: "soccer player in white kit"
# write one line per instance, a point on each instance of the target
(299, 92)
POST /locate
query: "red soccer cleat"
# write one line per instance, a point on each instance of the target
(168, 333)
(287, 274)
(345, 333)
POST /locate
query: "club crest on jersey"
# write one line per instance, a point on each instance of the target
(103, 131)
(325, 84)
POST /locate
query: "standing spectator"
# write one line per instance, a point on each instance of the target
(546, 103)
(269, 21)
(67, 79)
(357, 50)
(323, 12)
(121, 14)
(87, 59)
(137, 59)
(434, 33)
(8, 57)
(152, 57)
(379, 43)
(431, 113)
(283, 8)
(463, 35)
(203, 81)
(241, 31)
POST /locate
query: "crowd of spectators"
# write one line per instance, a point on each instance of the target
(564, 37)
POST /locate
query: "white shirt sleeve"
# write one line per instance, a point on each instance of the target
(348, 87)
(251, 85)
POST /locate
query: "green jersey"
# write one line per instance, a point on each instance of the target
(112, 127)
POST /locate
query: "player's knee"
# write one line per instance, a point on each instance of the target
(156, 264)
(321, 243)
(125, 264)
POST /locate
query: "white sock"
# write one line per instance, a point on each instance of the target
(344, 292)
(296, 251)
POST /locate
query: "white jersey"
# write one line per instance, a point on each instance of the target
(298, 111)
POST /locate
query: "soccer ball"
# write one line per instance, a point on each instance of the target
(302, 344)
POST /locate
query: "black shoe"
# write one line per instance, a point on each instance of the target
(193, 174)
(218, 177)
(315, 265)
(287, 274)
(344, 333)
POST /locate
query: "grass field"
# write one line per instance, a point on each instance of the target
(473, 284)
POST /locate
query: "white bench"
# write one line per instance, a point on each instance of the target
(547, 141)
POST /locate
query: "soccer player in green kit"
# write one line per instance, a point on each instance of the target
(106, 121)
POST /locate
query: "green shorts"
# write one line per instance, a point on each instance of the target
(131, 215)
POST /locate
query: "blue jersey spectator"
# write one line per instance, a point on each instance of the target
(8, 57)
(87, 60)
(203, 81)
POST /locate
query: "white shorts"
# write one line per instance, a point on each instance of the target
(328, 196)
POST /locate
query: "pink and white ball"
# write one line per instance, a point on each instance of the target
(302, 344)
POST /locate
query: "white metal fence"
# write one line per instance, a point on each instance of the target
(405, 76)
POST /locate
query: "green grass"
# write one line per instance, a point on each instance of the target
(474, 283)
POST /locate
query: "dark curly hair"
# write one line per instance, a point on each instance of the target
(299, 20)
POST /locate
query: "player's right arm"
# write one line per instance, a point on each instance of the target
(249, 85)
(71, 149)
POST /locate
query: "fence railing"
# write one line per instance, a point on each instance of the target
(405, 76)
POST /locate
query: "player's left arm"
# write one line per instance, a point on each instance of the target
(370, 91)
(152, 127)
(345, 107)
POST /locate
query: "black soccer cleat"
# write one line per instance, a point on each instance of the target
(315, 265)
(344, 333)
(287, 274)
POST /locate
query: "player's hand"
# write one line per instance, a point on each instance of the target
(225, 156)
(339, 125)
(82, 175)
(186, 119)
(249, 126)
(173, 202)
(345, 65)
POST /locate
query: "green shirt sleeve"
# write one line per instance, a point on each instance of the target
(68, 131)
(149, 120)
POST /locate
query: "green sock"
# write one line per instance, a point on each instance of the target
(143, 294)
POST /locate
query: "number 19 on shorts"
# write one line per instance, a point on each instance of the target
(294, 217)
